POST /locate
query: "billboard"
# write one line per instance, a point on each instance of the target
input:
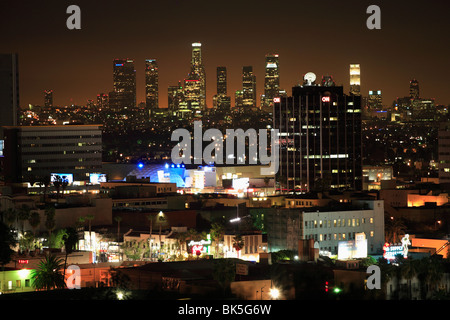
(64, 177)
(353, 249)
(97, 178)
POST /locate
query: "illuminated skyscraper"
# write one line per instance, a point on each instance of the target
(9, 92)
(175, 97)
(271, 79)
(248, 87)
(151, 85)
(221, 100)
(375, 100)
(198, 73)
(414, 92)
(355, 79)
(222, 81)
(48, 98)
(123, 95)
(320, 138)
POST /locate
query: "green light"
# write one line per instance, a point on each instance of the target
(336, 290)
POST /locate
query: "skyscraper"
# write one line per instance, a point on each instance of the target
(222, 81)
(198, 73)
(375, 100)
(123, 95)
(355, 79)
(9, 92)
(175, 95)
(221, 100)
(248, 87)
(151, 85)
(414, 92)
(48, 98)
(320, 138)
(271, 79)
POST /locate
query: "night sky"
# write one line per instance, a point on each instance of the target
(319, 36)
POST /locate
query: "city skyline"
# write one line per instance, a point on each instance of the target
(336, 32)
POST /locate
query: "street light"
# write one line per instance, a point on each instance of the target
(274, 293)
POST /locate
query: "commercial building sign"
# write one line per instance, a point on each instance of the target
(391, 251)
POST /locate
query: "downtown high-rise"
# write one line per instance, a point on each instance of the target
(151, 85)
(221, 99)
(198, 77)
(248, 87)
(123, 96)
(271, 80)
(320, 138)
(9, 93)
(48, 98)
(355, 79)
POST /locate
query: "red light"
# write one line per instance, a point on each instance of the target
(325, 99)
(21, 261)
(276, 100)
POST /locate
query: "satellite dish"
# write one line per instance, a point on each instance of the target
(309, 78)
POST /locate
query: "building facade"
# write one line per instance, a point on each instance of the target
(151, 85)
(9, 94)
(320, 139)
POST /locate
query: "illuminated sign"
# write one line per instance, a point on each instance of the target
(21, 261)
(276, 100)
(96, 178)
(65, 177)
(391, 251)
(353, 249)
(199, 247)
(325, 99)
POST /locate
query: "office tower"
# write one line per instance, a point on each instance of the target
(355, 79)
(414, 92)
(238, 99)
(198, 73)
(48, 98)
(123, 95)
(444, 153)
(192, 92)
(375, 100)
(151, 85)
(221, 81)
(320, 138)
(271, 79)
(102, 101)
(248, 87)
(39, 151)
(221, 100)
(9, 93)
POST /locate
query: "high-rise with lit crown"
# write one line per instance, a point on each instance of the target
(271, 79)
(355, 79)
(151, 85)
(198, 73)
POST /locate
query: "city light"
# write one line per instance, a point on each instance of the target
(274, 293)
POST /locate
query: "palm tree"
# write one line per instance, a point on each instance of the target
(395, 229)
(181, 238)
(238, 243)
(45, 181)
(34, 220)
(408, 270)
(23, 214)
(48, 275)
(224, 273)
(70, 243)
(57, 183)
(10, 216)
(89, 218)
(50, 222)
(118, 219)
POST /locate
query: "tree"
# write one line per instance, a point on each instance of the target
(395, 229)
(10, 216)
(217, 232)
(22, 215)
(57, 183)
(48, 274)
(50, 222)
(118, 219)
(70, 243)
(224, 272)
(34, 220)
(6, 242)
(238, 243)
(45, 181)
(89, 218)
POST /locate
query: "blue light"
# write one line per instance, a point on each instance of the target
(173, 166)
(178, 165)
(166, 166)
(140, 165)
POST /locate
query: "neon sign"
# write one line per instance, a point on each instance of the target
(21, 261)
(276, 100)
(391, 251)
(326, 99)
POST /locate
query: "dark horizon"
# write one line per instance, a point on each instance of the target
(323, 38)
